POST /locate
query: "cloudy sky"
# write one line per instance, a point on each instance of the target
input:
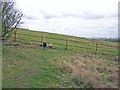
(83, 18)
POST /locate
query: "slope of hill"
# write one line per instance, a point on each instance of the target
(28, 65)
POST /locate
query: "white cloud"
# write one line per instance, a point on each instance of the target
(87, 18)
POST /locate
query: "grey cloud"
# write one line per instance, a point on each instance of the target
(30, 17)
(48, 16)
(93, 17)
(75, 15)
(115, 25)
(115, 14)
(112, 27)
(88, 15)
(84, 15)
(72, 15)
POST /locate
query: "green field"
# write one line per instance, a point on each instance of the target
(29, 66)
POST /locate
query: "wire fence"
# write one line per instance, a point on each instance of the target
(67, 43)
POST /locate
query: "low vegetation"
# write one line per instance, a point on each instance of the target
(29, 66)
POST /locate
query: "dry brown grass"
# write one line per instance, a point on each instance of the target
(91, 68)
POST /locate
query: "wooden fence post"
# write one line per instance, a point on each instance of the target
(96, 48)
(66, 44)
(41, 40)
(14, 36)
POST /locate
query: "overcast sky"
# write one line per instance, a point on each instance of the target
(83, 18)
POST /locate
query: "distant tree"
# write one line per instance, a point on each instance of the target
(11, 18)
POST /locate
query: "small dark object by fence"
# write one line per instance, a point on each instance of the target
(44, 45)
(16, 44)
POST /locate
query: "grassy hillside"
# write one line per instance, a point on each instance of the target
(31, 66)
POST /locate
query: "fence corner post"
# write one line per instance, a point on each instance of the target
(41, 40)
(66, 44)
(96, 48)
(14, 36)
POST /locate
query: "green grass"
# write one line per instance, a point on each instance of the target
(0, 66)
(89, 43)
(32, 67)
